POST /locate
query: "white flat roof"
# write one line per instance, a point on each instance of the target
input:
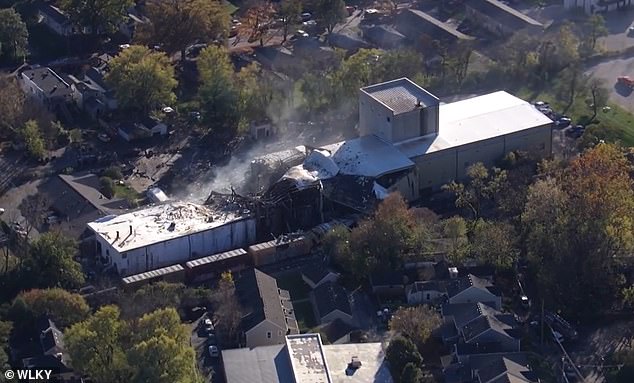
(476, 119)
(372, 370)
(367, 156)
(308, 360)
(154, 224)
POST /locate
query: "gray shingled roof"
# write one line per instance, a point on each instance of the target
(401, 95)
(330, 297)
(505, 368)
(260, 299)
(503, 13)
(470, 280)
(48, 81)
(482, 324)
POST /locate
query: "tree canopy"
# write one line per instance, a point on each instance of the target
(32, 137)
(578, 223)
(175, 24)
(101, 16)
(63, 307)
(13, 34)
(416, 323)
(399, 353)
(143, 79)
(330, 13)
(50, 263)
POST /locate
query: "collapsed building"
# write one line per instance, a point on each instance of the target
(409, 142)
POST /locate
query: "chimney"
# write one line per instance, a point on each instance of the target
(130, 230)
(117, 238)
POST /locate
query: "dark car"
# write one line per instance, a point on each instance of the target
(576, 131)
(563, 122)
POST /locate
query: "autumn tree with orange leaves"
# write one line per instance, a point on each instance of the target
(579, 226)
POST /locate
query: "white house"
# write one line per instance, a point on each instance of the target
(46, 86)
(425, 292)
(163, 235)
(472, 289)
(268, 312)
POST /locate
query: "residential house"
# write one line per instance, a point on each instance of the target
(384, 37)
(490, 329)
(268, 311)
(47, 87)
(56, 20)
(426, 292)
(499, 18)
(51, 353)
(389, 284)
(148, 127)
(472, 289)
(337, 331)
(317, 274)
(330, 301)
(493, 368)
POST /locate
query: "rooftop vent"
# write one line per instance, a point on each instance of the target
(355, 363)
(172, 226)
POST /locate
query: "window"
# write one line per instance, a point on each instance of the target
(107, 252)
(428, 296)
(124, 255)
(388, 119)
(269, 335)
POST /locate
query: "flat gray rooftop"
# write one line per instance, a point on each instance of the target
(401, 95)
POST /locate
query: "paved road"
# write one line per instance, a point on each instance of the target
(608, 72)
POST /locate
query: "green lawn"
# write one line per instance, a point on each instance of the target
(616, 125)
(304, 315)
(295, 285)
(123, 191)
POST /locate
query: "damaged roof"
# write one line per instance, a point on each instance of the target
(161, 223)
(367, 156)
(401, 95)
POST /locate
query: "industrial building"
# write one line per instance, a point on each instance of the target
(305, 359)
(171, 233)
(412, 143)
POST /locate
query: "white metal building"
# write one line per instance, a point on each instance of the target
(167, 234)
(443, 140)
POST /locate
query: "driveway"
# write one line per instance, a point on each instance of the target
(608, 71)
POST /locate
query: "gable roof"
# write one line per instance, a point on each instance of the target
(315, 272)
(506, 369)
(51, 84)
(260, 299)
(336, 330)
(462, 284)
(463, 313)
(330, 297)
(414, 23)
(503, 13)
(485, 323)
(54, 13)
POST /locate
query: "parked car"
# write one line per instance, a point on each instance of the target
(208, 326)
(563, 121)
(213, 351)
(103, 137)
(576, 131)
(301, 33)
(2, 211)
(540, 104)
(309, 23)
(526, 303)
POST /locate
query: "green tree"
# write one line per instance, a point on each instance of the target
(228, 311)
(454, 230)
(95, 346)
(50, 262)
(32, 138)
(13, 34)
(493, 242)
(5, 333)
(330, 13)
(399, 353)
(162, 352)
(175, 24)
(412, 374)
(599, 96)
(289, 13)
(482, 186)
(595, 28)
(63, 307)
(101, 16)
(143, 80)
(219, 97)
(12, 103)
(577, 226)
(106, 185)
(416, 323)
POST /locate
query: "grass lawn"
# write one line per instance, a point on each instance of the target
(612, 126)
(304, 315)
(124, 191)
(295, 285)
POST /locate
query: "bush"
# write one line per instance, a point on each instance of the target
(107, 186)
(113, 172)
